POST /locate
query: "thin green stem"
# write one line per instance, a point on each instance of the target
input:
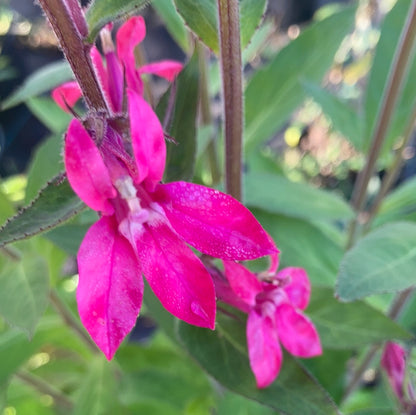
(394, 85)
(66, 315)
(67, 26)
(231, 70)
(45, 388)
(206, 117)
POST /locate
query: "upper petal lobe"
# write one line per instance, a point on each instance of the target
(214, 222)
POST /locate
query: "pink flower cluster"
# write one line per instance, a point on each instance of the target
(145, 226)
(274, 303)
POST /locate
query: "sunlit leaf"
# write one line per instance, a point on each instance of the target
(382, 261)
(55, 204)
(101, 12)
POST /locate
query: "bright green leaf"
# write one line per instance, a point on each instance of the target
(347, 326)
(303, 245)
(24, 290)
(55, 204)
(294, 392)
(46, 164)
(101, 12)
(238, 405)
(166, 9)
(279, 84)
(39, 82)
(344, 119)
(98, 391)
(276, 194)
(201, 17)
(382, 261)
(180, 159)
(46, 110)
(6, 208)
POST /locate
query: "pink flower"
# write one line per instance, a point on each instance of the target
(274, 306)
(115, 165)
(119, 65)
(393, 361)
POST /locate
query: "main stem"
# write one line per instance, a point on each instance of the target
(231, 69)
(69, 31)
(392, 90)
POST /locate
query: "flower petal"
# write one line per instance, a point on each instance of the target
(299, 288)
(263, 348)
(67, 94)
(176, 275)
(110, 287)
(165, 69)
(213, 222)
(243, 282)
(394, 363)
(86, 170)
(296, 332)
(148, 140)
(129, 36)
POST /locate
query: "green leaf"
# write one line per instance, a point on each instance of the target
(166, 9)
(98, 392)
(347, 326)
(46, 164)
(238, 405)
(251, 15)
(101, 12)
(201, 17)
(39, 82)
(399, 204)
(279, 84)
(294, 392)
(344, 119)
(24, 290)
(46, 110)
(382, 261)
(276, 194)
(6, 208)
(303, 245)
(180, 159)
(55, 204)
(390, 33)
(3, 394)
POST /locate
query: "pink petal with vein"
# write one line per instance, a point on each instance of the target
(110, 287)
(129, 35)
(176, 275)
(213, 222)
(394, 363)
(263, 349)
(101, 72)
(296, 332)
(299, 288)
(115, 81)
(67, 94)
(148, 140)
(243, 282)
(86, 170)
(165, 69)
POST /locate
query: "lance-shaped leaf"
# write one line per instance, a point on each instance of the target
(294, 392)
(279, 84)
(40, 81)
(276, 194)
(55, 204)
(101, 12)
(382, 261)
(180, 159)
(24, 288)
(347, 326)
(201, 17)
